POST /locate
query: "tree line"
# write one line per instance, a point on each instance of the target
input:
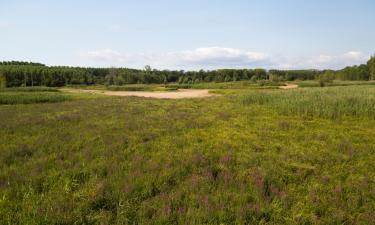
(17, 73)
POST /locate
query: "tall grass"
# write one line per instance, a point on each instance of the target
(31, 89)
(12, 98)
(315, 83)
(114, 160)
(330, 102)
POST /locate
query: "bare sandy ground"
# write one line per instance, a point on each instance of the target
(179, 94)
(289, 86)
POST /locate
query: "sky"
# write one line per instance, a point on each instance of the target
(189, 34)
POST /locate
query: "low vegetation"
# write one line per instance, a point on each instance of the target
(29, 97)
(251, 156)
(30, 89)
(330, 103)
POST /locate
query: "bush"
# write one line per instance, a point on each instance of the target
(326, 78)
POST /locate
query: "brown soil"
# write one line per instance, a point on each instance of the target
(289, 86)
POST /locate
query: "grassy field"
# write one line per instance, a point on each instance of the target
(250, 156)
(12, 96)
(313, 83)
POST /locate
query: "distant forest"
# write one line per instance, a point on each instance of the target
(36, 74)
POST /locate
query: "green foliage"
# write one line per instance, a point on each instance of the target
(19, 63)
(112, 160)
(334, 83)
(354, 73)
(32, 89)
(326, 78)
(12, 98)
(35, 74)
(371, 67)
(2, 82)
(291, 75)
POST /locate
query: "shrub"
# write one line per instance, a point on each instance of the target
(326, 78)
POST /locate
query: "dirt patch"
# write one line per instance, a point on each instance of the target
(289, 86)
(179, 94)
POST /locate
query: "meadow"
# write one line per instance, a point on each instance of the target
(26, 95)
(253, 155)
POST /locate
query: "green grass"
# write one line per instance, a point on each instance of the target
(333, 102)
(313, 83)
(13, 97)
(31, 89)
(222, 160)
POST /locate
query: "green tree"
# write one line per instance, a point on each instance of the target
(261, 74)
(111, 76)
(326, 78)
(2, 81)
(148, 69)
(371, 67)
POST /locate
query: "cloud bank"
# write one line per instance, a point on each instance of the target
(219, 57)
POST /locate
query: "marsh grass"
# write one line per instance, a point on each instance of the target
(332, 102)
(13, 97)
(114, 160)
(335, 83)
(31, 89)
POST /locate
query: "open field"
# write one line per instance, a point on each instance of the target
(253, 155)
(12, 97)
(187, 112)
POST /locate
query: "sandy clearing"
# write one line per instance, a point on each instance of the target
(289, 86)
(179, 94)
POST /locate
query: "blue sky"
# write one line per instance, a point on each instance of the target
(190, 34)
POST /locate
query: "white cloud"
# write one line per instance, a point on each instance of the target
(104, 55)
(216, 53)
(206, 58)
(336, 61)
(212, 58)
(217, 57)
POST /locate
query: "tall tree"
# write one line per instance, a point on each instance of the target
(2, 81)
(371, 67)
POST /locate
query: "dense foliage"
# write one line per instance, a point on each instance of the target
(255, 157)
(12, 98)
(21, 63)
(2, 81)
(371, 67)
(36, 74)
